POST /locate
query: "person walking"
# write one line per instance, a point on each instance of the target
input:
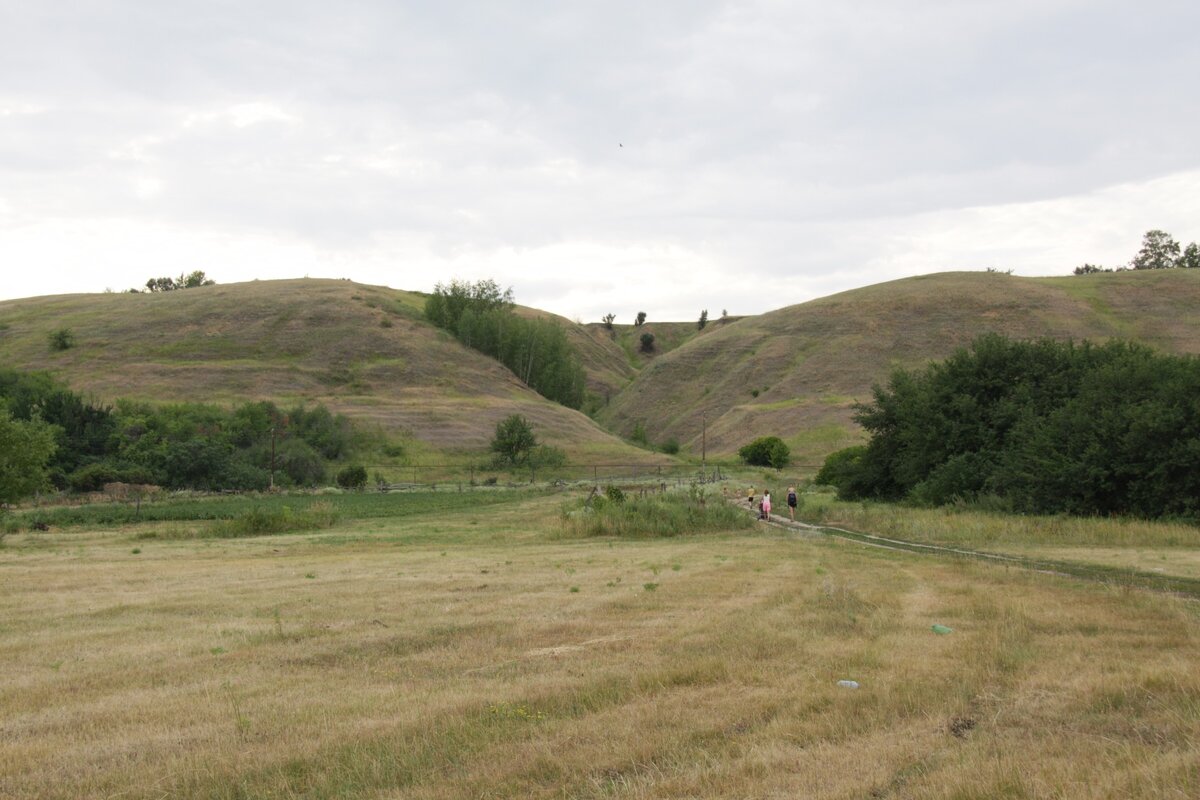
(766, 504)
(792, 501)
(750, 497)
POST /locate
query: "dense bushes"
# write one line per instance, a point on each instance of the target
(536, 350)
(1041, 426)
(767, 451)
(179, 446)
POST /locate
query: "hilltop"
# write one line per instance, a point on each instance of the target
(362, 350)
(798, 371)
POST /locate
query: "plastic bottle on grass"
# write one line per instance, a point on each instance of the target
(941, 630)
(848, 684)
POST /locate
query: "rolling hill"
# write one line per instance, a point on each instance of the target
(366, 351)
(361, 350)
(798, 371)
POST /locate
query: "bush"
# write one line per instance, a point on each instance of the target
(62, 339)
(766, 451)
(670, 446)
(514, 441)
(639, 434)
(840, 470)
(647, 342)
(300, 463)
(352, 477)
(546, 457)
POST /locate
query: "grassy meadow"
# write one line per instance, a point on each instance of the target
(486, 648)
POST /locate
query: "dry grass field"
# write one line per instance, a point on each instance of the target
(486, 654)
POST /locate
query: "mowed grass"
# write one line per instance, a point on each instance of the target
(475, 652)
(1166, 547)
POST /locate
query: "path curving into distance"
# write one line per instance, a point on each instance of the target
(1187, 587)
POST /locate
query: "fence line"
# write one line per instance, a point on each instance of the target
(404, 476)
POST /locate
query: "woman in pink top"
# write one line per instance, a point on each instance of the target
(766, 503)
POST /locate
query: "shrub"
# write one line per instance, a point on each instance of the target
(352, 477)
(62, 339)
(545, 456)
(514, 441)
(639, 434)
(841, 469)
(670, 446)
(614, 494)
(647, 342)
(766, 451)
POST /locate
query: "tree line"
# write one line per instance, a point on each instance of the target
(177, 446)
(1159, 251)
(482, 317)
(1036, 427)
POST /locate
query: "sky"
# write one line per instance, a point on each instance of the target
(612, 157)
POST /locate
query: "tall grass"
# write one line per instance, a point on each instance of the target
(659, 515)
(263, 521)
(230, 507)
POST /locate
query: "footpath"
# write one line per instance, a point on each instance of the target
(1186, 587)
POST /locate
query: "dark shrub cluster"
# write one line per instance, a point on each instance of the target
(1044, 426)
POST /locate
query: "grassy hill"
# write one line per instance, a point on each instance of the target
(361, 350)
(366, 351)
(798, 371)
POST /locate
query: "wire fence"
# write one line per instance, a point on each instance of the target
(392, 477)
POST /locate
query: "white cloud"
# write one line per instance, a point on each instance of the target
(672, 155)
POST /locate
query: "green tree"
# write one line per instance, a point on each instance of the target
(841, 469)
(25, 450)
(352, 477)
(514, 441)
(1159, 251)
(647, 342)
(608, 320)
(1191, 257)
(639, 319)
(194, 279)
(446, 306)
(766, 451)
(700, 323)
(189, 281)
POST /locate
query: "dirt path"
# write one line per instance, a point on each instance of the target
(1188, 587)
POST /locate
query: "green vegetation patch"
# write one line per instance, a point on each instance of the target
(657, 515)
(245, 507)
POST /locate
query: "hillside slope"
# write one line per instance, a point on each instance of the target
(361, 350)
(798, 371)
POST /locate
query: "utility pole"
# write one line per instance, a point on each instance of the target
(272, 458)
(703, 440)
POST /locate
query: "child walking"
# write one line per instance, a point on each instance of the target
(766, 505)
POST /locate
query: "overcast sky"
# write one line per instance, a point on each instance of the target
(664, 156)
